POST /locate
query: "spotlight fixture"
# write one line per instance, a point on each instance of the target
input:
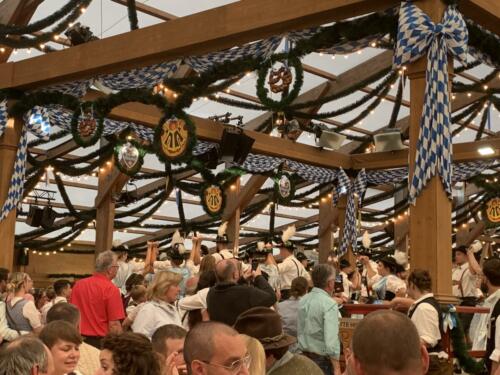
(327, 138)
(235, 145)
(79, 34)
(388, 140)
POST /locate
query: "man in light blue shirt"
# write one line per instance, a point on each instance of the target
(318, 321)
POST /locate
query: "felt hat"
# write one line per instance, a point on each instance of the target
(265, 325)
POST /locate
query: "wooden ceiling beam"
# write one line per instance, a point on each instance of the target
(212, 30)
(483, 12)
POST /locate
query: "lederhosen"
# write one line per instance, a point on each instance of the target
(285, 293)
(491, 344)
(466, 301)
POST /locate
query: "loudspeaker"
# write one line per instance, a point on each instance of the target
(48, 217)
(35, 215)
(235, 145)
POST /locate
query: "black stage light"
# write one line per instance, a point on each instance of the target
(235, 145)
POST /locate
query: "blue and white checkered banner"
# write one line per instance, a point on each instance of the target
(464, 171)
(311, 173)
(37, 122)
(3, 115)
(75, 88)
(389, 176)
(419, 36)
(354, 190)
(149, 76)
(260, 163)
(298, 35)
(263, 48)
(350, 46)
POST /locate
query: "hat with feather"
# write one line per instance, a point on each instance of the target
(177, 250)
(285, 238)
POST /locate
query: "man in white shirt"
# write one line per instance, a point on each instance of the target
(62, 288)
(426, 314)
(464, 281)
(289, 269)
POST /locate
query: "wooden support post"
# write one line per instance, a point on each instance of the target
(401, 226)
(430, 219)
(233, 225)
(110, 181)
(8, 149)
(325, 234)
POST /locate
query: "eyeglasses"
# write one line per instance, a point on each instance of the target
(234, 367)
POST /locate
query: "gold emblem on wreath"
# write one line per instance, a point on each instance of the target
(213, 198)
(174, 137)
(493, 210)
(279, 80)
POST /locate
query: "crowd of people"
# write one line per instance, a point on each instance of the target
(211, 312)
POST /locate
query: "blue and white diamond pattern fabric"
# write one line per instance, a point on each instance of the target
(351, 46)
(380, 177)
(464, 171)
(262, 48)
(260, 163)
(75, 88)
(298, 35)
(353, 190)
(418, 35)
(37, 122)
(3, 116)
(141, 77)
(203, 147)
(312, 173)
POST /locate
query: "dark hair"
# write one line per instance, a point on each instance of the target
(397, 343)
(64, 311)
(344, 263)
(60, 285)
(204, 250)
(462, 249)
(491, 270)
(299, 287)
(132, 280)
(50, 293)
(320, 275)
(59, 330)
(132, 354)
(22, 354)
(421, 279)
(168, 331)
(137, 292)
(199, 344)
(276, 353)
(4, 274)
(206, 280)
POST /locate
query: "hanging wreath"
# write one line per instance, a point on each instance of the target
(279, 81)
(85, 127)
(129, 157)
(213, 199)
(491, 211)
(284, 187)
(175, 139)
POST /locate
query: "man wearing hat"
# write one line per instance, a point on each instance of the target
(264, 324)
(290, 268)
(464, 284)
(221, 242)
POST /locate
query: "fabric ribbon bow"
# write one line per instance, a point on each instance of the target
(352, 190)
(450, 319)
(418, 35)
(37, 122)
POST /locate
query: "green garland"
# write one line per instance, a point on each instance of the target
(277, 192)
(187, 154)
(206, 207)
(287, 98)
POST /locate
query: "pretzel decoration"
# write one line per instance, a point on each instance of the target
(279, 80)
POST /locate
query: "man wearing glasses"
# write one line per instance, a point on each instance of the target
(99, 301)
(213, 348)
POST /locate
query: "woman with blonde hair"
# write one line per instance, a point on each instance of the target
(22, 314)
(160, 308)
(257, 355)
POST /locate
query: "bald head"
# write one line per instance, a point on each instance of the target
(204, 340)
(226, 271)
(397, 343)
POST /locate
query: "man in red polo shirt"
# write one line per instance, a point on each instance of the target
(99, 301)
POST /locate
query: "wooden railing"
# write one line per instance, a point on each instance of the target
(348, 325)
